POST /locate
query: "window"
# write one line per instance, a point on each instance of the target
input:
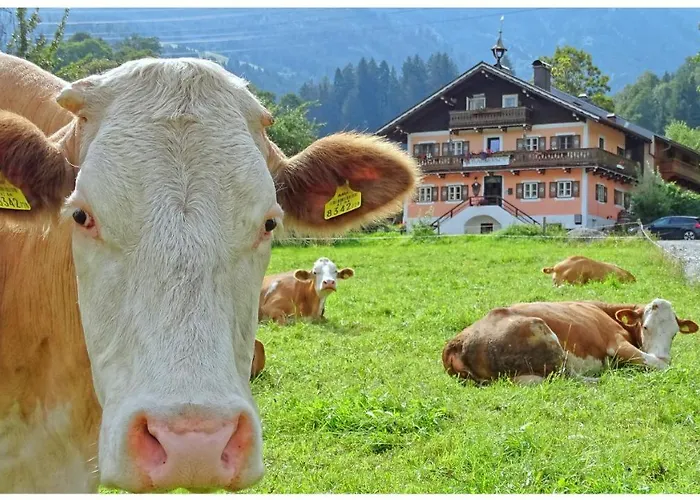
(569, 141)
(566, 141)
(493, 144)
(601, 193)
(532, 143)
(477, 101)
(619, 197)
(454, 193)
(486, 227)
(530, 191)
(563, 189)
(425, 194)
(425, 149)
(510, 101)
(455, 148)
(620, 151)
(601, 142)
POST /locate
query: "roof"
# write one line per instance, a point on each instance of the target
(580, 106)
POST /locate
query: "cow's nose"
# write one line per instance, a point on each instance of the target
(329, 282)
(191, 453)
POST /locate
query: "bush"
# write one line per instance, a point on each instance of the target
(531, 230)
(653, 198)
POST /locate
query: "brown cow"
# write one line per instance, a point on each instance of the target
(258, 359)
(128, 310)
(527, 342)
(300, 293)
(580, 270)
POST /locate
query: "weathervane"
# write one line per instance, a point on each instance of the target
(499, 49)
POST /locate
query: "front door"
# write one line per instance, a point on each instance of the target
(493, 189)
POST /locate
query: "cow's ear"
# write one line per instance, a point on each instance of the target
(302, 275)
(36, 173)
(628, 317)
(342, 181)
(686, 326)
(346, 273)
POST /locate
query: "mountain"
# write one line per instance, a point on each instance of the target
(280, 49)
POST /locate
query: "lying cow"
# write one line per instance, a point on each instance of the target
(128, 292)
(258, 359)
(527, 342)
(300, 293)
(581, 270)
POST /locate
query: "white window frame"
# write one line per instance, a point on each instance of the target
(536, 191)
(500, 142)
(452, 189)
(421, 191)
(561, 191)
(529, 141)
(476, 98)
(454, 150)
(622, 201)
(505, 97)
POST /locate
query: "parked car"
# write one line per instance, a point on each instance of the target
(676, 227)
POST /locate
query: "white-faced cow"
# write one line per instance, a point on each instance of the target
(129, 291)
(300, 293)
(580, 270)
(527, 342)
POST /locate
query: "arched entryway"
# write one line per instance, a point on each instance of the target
(481, 224)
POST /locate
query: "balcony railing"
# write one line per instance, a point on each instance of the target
(674, 169)
(530, 159)
(490, 117)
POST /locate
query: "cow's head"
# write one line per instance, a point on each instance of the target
(172, 211)
(324, 275)
(659, 325)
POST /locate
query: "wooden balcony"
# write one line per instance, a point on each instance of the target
(490, 117)
(502, 160)
(682, 172)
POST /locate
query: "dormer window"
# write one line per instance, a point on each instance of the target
(510, 101)
(477, 101)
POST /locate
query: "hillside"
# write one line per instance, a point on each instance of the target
(280, 49)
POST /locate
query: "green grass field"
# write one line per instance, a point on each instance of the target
(361, 404)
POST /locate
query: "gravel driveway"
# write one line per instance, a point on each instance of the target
(688, 252)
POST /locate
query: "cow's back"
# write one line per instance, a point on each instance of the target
(29, 91)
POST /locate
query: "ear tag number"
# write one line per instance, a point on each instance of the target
(11, 198)
(344, 200)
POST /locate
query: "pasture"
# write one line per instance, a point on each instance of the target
(361, 404)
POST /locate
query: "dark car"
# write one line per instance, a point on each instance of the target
(676, 227)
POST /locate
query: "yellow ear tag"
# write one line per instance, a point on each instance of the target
(11, 198)
(344, 200)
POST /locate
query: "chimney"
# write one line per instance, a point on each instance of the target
(583, 97)
(542, 75)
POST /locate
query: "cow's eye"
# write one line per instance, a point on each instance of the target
(82, 218)
(270, 225)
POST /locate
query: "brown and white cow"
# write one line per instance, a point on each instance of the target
(527, 342)
(300, 293)
(578, 269)
(258, 364)
(128, 311)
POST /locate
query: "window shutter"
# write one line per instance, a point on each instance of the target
(605, 194)
(627, 200)
(575, 189)
(443, 193)
(467, 103)
(519, 144)
(519, 190)
(596, 192)
(465, 150)
(542, 143)
(465, 191)
(552, 189)
(415, 150)
(554, 142)
(445, 148)
(577, 142)
(541, 189)
(434, 195)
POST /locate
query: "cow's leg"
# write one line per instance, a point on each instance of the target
(528, 379)
(625, 351)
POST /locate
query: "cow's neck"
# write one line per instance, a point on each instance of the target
(49, 415)
(313, 302)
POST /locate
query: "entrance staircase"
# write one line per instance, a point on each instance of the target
(479, 201)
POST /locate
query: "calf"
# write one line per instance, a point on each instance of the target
(129, 276)
(527, 342)
(579, 269)
(300, 293)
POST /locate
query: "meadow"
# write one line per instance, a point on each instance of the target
(360, 403)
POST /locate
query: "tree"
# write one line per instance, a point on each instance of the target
(292, 131)
(37, 49)
(573, 72)
(680, 132)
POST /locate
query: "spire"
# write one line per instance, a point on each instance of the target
(499, 50)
